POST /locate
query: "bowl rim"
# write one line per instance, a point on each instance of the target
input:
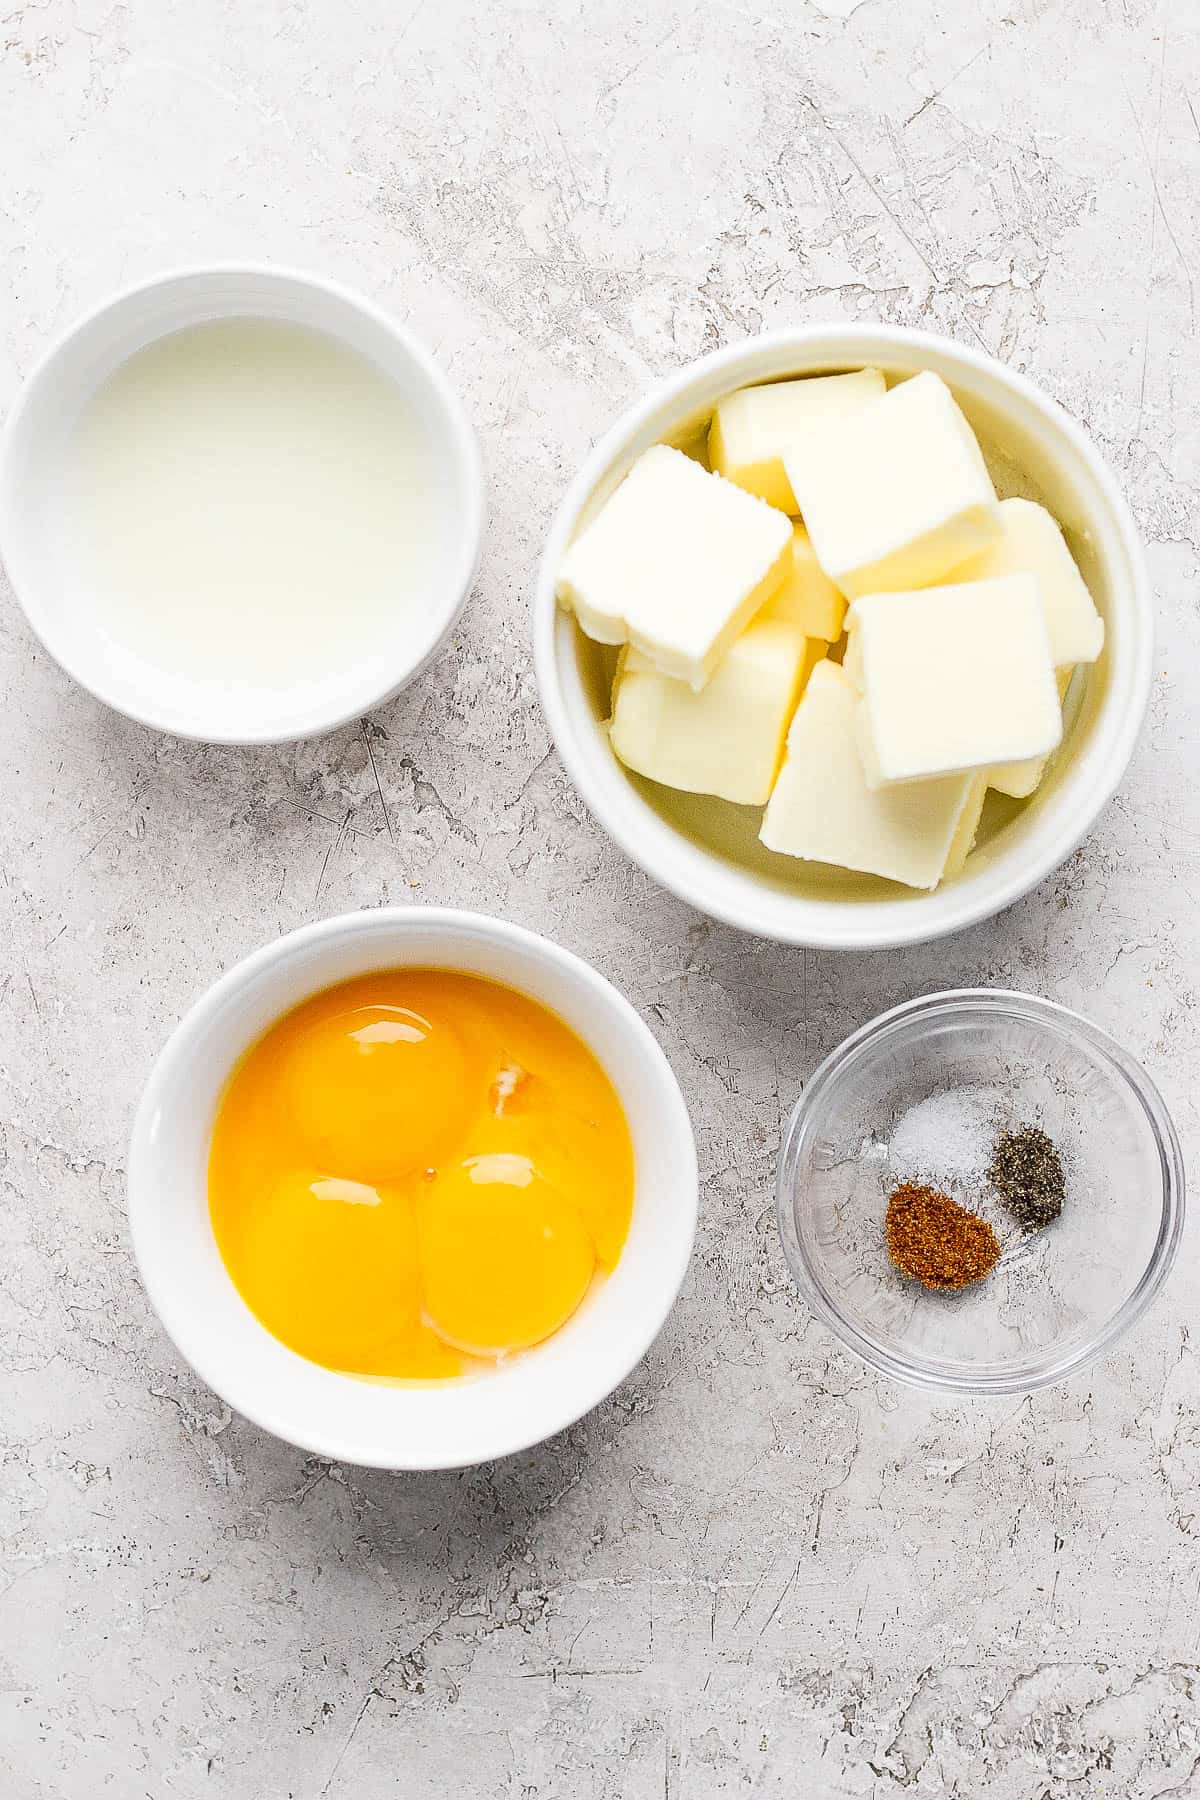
(1042, 1371)
(60, 646)
(628, 1345)
(798, 919)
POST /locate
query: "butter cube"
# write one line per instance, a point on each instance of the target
(1019, 779)
(967, 829)
(728, 738)
(806, 596)
(822, 810)
(1030, 543)
(897, 494)
(952, 678)
(676, 562)
(753, 427)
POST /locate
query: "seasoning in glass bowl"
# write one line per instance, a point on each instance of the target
(1027, 1173)
(937, 1241)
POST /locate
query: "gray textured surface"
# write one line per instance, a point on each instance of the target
(757, 1569)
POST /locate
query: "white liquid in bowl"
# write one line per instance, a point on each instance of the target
(244, 497)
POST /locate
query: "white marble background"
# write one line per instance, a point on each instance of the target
(756, 1570)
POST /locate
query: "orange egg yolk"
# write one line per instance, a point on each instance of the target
(505, 1258)
(376, 1091)
(330, 1267)
(417, 1173)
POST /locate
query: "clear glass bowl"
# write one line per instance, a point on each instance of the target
(975, 1062)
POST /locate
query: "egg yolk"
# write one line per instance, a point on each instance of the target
(505, 1259)
(417, 1173)
(376, 1092)
(330, 1266)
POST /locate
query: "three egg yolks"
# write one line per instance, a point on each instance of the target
(416, 1173)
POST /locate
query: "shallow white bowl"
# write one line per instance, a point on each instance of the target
(450, 1425)
(1035, 447)
(53, 588)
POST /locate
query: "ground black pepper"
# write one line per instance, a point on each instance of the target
(937, 1241)
(1028, 1175)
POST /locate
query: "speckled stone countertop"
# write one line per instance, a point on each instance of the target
(757, 1569)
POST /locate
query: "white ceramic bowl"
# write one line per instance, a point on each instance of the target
(451, 1425)
(707, 852)
(53, 587)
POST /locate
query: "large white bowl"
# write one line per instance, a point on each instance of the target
(53, 585)
(453, 1424)
(1034, 447)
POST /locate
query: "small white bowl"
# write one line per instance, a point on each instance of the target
(450, 1425)
(1034, 446)
(53, 589)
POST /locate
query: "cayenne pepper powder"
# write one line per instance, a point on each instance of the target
(937, 1241)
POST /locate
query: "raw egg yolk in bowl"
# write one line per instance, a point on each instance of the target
(417, 1173)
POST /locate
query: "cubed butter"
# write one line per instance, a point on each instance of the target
(727, 739)
(676, 562)
(952, 679)
(967, 829)
(1019, 779)
(806, 596)
(753, 427)
(1030, 543)
(897, 494)
(822, 810)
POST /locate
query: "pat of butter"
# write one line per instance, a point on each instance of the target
(676, 562)
(822, 810)
(896, 494)
(806, 596)
(967, 829)
(727, 739)
(952, 679)
(1031, 543)
(753, 427)
(1019, 779)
